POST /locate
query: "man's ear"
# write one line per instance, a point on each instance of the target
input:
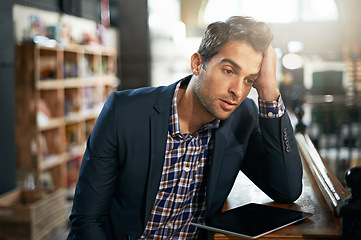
(196, 63)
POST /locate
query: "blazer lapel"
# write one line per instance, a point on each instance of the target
(158, 138)
(220, 142)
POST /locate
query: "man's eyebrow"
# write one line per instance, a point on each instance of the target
(255, 74)
(235, 65)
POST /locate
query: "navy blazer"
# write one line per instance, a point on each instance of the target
(122, 165)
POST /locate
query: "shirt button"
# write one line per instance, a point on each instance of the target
(186, 169)
(169, 225)
(270, 114)
(179, 200)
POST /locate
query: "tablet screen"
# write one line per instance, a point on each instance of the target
(252, 220)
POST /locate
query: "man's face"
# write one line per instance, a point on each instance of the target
(223, 84)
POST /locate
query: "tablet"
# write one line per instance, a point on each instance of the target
(252, 221)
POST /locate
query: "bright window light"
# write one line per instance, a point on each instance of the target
(275, 11)
(320, 10)
(217, 10)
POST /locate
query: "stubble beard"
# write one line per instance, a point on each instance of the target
(210, 105)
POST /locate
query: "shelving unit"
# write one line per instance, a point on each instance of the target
(59, 95)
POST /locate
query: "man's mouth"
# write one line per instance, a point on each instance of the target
(228, 105)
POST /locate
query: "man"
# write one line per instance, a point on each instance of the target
(161, 158)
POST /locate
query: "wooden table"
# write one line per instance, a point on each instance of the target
(322, 225)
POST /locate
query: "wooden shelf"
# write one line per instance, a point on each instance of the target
(100, 80)
(52, 161)
(49, 84)
(51, 124)
(59, 94)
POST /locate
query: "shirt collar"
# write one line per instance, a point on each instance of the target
(174, 127)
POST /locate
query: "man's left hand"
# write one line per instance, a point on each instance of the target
(266, 83)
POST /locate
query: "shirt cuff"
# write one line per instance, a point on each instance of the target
(271, 109)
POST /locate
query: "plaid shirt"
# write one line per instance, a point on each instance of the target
(181, 197)
(271, 109)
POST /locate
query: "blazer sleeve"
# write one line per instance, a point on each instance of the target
(272, 160)
(96, 183)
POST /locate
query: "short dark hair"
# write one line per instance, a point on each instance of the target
(257, 34)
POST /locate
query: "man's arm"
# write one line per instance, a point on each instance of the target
(272, 161)
(95, 186)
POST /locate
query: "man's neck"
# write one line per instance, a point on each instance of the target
(191, 113)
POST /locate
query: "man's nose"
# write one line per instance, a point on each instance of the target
(236, 88)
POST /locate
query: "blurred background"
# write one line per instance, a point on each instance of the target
(50, 48)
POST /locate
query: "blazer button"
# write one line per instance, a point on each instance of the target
(288, 149)
(285, 137)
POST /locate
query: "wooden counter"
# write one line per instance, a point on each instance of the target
(322, 225)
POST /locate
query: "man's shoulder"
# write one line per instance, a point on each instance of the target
(151, 91)
(144, 93)
(132, 100)
(139, 92)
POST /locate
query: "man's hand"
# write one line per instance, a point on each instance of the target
(266, 83)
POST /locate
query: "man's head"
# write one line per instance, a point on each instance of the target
(227, 65)
(237, 28)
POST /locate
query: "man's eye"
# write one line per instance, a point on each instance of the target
(228, 71)
(249, 81)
